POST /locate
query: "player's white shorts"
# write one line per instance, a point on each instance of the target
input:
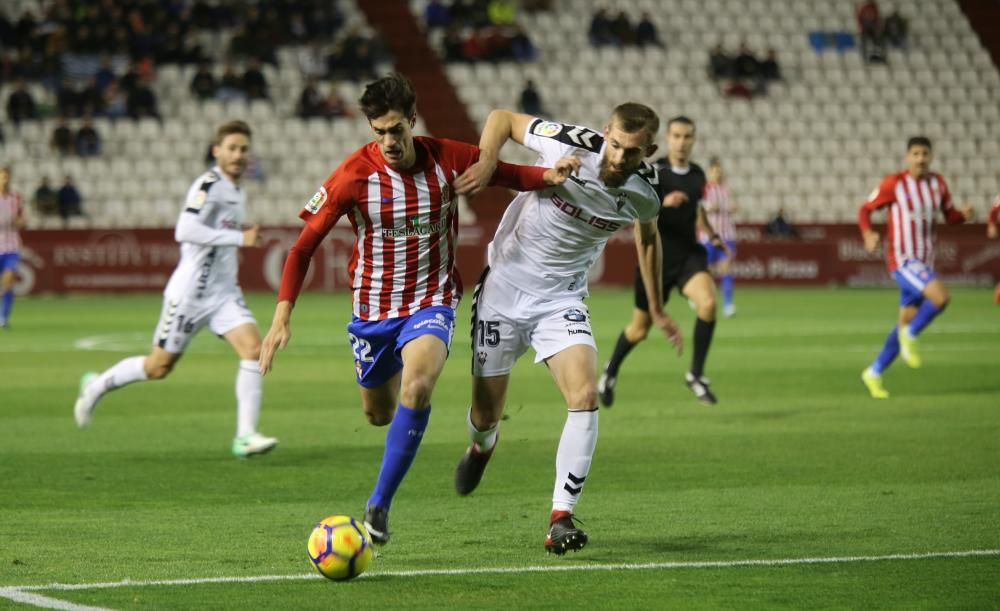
(182, 319)
(506, 321)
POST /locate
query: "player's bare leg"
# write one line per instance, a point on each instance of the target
(379, 403)
(634, 332)
(700, 289)
(423, 360)
(489, 395)
(935, 300)
(245, 340)
(724, 274)
(7, 289)
(574, 371)
(155, 366)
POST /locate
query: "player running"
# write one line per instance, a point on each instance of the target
(11, 221)
(203, 291)
(913, 198)
(398, 192)
(685, 263)
(531, 293)
(719, 209)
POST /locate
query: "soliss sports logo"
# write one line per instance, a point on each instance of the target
(578, 213)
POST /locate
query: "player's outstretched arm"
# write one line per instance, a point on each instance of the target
(277, 336)
(648, 247)
(501, 126)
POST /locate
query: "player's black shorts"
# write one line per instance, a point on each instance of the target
(676, 273)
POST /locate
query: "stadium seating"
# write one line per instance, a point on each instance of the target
(816, 144)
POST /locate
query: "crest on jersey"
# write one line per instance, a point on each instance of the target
(445, 195)
(547, 129)
(197, 200)
(317, 201)
(620, 200)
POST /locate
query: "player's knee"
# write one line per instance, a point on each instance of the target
(416, 391)
(158, 371)
(583, 397)
(638, 331)
(706, 308)
(378, 417)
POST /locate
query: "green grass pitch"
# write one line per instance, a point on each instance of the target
(796, 462)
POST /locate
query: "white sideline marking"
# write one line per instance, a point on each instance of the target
(37, 600)
(708, 564)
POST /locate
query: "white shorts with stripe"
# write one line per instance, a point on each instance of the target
(506, 321)
(182, 319)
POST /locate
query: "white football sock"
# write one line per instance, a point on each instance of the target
(576, 451)
(484, 439)
(248, 392)
(121, 373)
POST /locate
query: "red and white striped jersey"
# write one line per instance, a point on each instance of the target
(995, 211)
(913, 204)
(719, 212)
(406, 223)
(11, 207)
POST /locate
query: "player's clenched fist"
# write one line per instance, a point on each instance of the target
(251, 236)
(558, 174)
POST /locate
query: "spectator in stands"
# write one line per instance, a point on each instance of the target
(254, 83)
(437, 15)
(622, 30)
(20, 104)
(105, 74)
(203, 84)
(311, 102)
(141, 102)
(502, 12)
(68, 99)
(454, 45)
(720, 64)
(90, 100)
(69, 200)
(521, 47)
(646, 33)
(601, 32)
(746, 65)
(531, 101)
(336, 105)
(61, 140)
(88, 141)
(312, 62)
(781, 229)
(769, 68)
(896, 29)
(114, 102)
(130, 79)
(870, 31)
(231, 85)
(46, 200)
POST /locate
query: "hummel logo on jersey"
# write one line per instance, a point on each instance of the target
(578, 213)
(388, 200)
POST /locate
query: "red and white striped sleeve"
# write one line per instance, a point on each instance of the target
(883, 195)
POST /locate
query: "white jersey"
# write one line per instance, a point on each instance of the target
(210, 233)
(548, 240)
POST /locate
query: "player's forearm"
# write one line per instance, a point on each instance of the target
(191, 230)
(649, 251)
(864, 219)
(296, 265)
(498, 129)
(519, 177)
(282, 314)
(954, 217)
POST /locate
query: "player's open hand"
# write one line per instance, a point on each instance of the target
(475, 178)
(276, 339)
(670, 329)
(557, 174)
(251, 236)
(674, 199)
(968, 211)
(871, 240)
(991, 231)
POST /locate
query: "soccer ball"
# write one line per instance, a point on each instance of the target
(340, 548)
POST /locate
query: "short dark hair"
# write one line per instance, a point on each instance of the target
(918, 141)
(231, 127)
(680, 119)
(391, 92)
(633, 117)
